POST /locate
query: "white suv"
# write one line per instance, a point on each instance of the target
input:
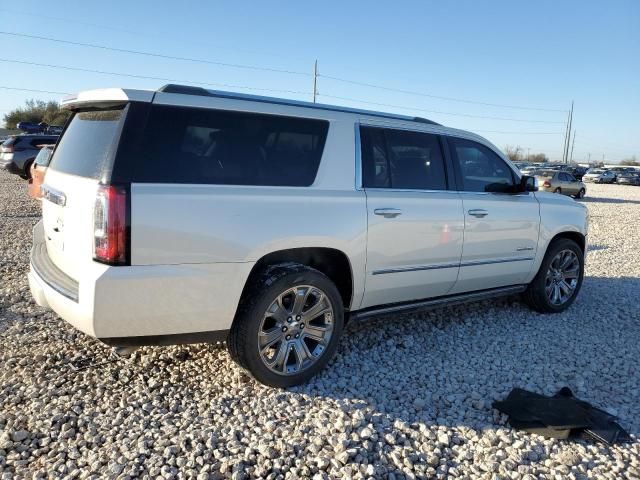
(187, 215)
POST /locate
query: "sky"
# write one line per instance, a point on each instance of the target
(483, 57)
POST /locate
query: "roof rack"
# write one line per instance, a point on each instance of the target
(190, 90)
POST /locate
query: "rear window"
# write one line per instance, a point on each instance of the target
(88, 143)
(191, 145)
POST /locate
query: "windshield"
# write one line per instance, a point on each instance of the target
(88, 143)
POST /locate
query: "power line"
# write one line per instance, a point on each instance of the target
(163, 79)
(60, 19)
(468, 115)
(451, 99)
(157, 55)
(32, 90)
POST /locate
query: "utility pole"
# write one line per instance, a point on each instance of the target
(564, 143)
(573, 143)
(568, 139)
(528, 148)
(589, 157)
(315, 80)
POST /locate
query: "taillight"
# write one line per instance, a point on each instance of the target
(546, 183)
(110, 225)
(7, 149)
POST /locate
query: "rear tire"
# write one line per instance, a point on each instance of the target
(558, 190)
(581, 193)
(288, 325)
(27, 170)
(540, 292)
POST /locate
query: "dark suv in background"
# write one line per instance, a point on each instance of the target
(18, 152)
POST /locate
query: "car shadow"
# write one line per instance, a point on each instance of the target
(589, 199)
(459, 359)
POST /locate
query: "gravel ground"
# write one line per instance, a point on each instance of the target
(406, 396)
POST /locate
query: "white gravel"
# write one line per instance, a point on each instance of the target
(406, 397)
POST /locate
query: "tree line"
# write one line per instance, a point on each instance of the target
(37, 111)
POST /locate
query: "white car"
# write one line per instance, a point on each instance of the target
(599, 176)
(187, 215)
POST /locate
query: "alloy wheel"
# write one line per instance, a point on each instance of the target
(562, 277)
(295, 330)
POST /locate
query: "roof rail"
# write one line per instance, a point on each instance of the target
(190, 90)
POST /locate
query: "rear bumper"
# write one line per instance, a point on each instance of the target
(141, 305)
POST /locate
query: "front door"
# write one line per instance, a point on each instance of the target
(501, 227)
(415, 225)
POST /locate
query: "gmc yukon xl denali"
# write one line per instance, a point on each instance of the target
(188, 215)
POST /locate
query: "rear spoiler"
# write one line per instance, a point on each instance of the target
(108, 96)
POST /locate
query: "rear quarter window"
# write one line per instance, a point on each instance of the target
(89, 142)
(216, 147)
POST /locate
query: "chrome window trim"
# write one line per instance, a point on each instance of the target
(358, 178)
(408, 190)
(473, 263)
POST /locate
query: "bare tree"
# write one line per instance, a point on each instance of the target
(632, 162)
(513, 153)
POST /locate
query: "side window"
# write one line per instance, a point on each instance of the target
(481, 169)
(191, 145)
(402, 159)
(375, 167)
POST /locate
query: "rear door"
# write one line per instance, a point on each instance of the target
(570, 184)
(500, 226)
(415, 224)
(81, 159)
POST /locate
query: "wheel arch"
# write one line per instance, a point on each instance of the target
(332, 262)
(577, 237)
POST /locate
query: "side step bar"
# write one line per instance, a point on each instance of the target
(443, 301)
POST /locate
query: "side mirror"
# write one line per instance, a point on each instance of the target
(528, 184)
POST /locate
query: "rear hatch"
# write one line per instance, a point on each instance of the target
(80, 162)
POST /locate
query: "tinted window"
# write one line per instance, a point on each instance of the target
(189, 145)
(401, 159)
(481, 169)
(88, 143)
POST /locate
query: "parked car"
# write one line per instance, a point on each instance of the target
(19, 151)
(617, 170)
(38, 170)
(41, 128)
(628, 178)
(188, 215)
(599, 176)
(560, 182)
(577, 172)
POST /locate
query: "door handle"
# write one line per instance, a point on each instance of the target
(388, 212)
(478, 213)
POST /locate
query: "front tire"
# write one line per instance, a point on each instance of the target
(288, 325)
(559, 279)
